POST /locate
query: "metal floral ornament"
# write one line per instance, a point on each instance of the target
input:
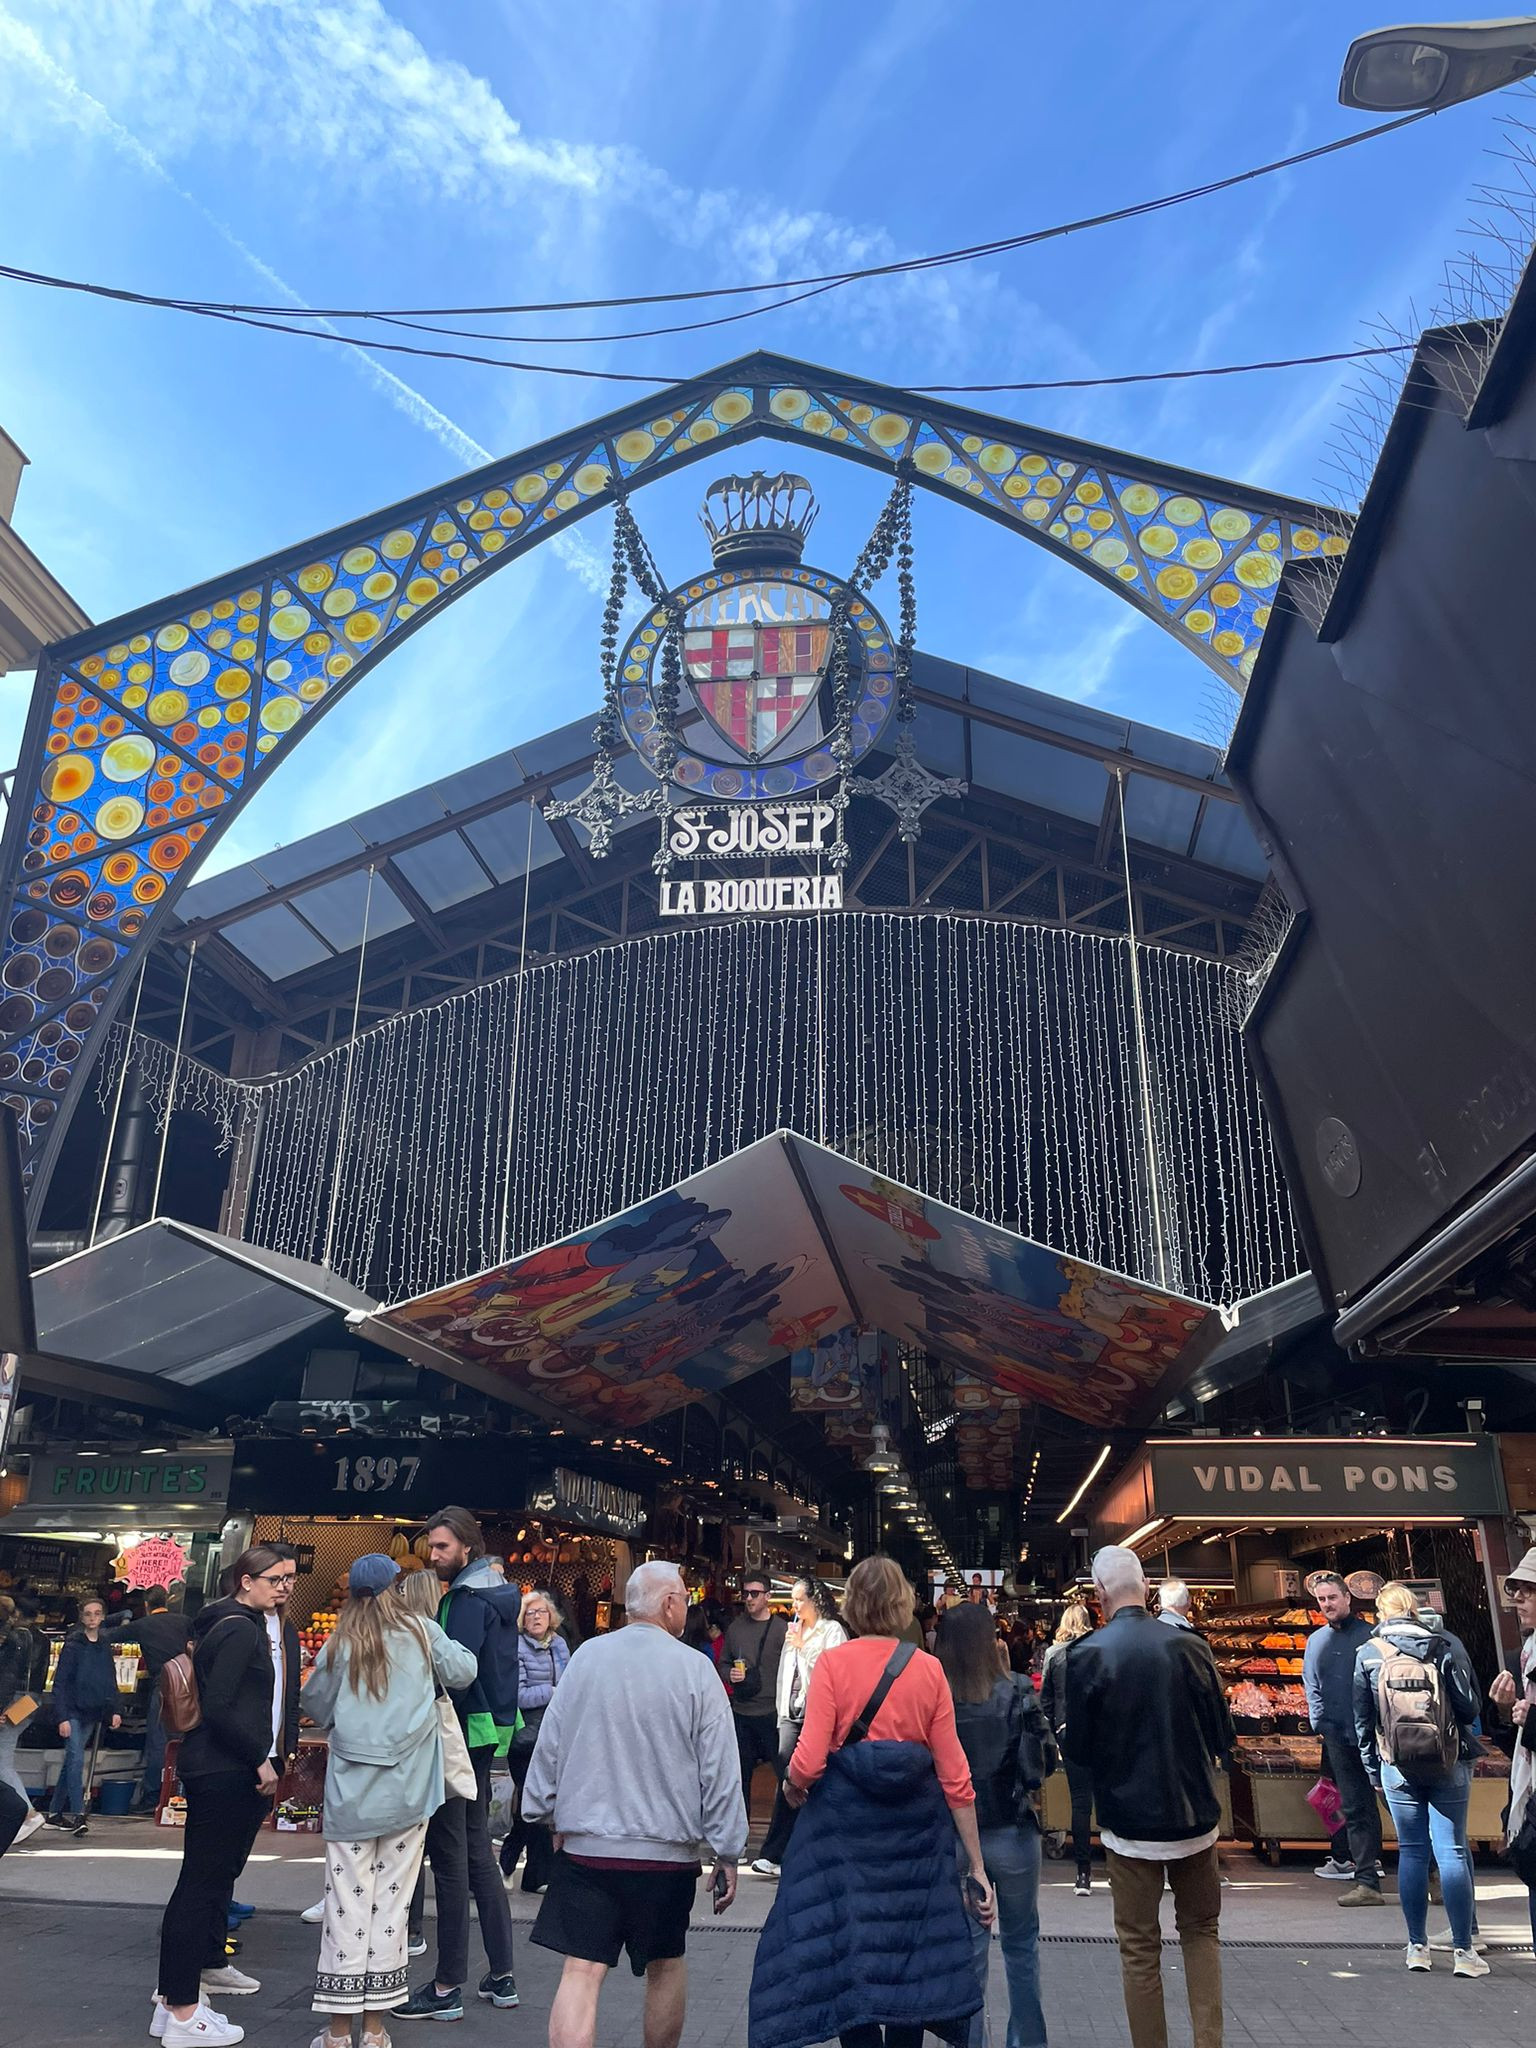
(145, 735)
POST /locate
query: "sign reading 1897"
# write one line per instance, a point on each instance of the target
(746, 832)
(375, 1475)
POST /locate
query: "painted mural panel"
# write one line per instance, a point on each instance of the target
(1026, 1320)
(677, 1297)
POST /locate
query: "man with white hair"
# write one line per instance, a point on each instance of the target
(1146, 1713)
(1173, 1604)
(635, 1769)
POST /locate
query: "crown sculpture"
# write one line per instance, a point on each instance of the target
(758, 518)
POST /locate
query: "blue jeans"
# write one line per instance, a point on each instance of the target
(68, 1794)
(1012, 1857)
(154, 1747)
(1432, 1814)
(10, 1735)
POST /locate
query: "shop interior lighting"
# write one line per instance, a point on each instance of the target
(1147, 1529)
(1088, 1478)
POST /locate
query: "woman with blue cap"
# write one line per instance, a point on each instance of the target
(374, 1688)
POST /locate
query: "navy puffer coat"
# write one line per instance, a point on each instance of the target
(868, 1926)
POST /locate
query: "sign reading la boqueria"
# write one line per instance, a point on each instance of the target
(735, 832)
(1324, 1478)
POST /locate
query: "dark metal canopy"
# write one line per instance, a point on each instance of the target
(1035, 840)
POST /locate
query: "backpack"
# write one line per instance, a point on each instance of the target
(1419, 1732)
(181, 1710)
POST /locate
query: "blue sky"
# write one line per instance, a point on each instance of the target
(361, 153)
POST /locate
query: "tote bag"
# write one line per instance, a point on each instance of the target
(459, 1781)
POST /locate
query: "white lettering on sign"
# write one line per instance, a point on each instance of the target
(766, 601)
(747, 829)
(752, 896)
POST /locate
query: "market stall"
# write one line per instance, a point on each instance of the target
(1276, 1509)
(333, 1499)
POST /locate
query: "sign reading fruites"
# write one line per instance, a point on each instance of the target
(199, 1481)
(747, 832)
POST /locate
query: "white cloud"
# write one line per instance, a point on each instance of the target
(354, 92)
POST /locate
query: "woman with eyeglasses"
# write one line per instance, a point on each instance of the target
(1515, 1688)
(245, 1655)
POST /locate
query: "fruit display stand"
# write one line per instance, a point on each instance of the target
(1056, 1805)
(1272, 1775)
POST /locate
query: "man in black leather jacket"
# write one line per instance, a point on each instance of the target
(1146, 1713)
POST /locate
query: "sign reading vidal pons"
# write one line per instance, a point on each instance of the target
(742, 832)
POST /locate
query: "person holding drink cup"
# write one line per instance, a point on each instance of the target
(754, 1644)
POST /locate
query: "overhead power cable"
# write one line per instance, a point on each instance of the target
(373, 344)
(806, 286)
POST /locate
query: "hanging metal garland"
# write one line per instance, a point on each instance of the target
(906, 786)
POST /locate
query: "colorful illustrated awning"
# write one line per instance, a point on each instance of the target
(781, 1244)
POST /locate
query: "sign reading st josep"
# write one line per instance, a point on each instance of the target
(721, 832)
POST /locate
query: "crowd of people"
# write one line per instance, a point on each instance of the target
(909, 1752)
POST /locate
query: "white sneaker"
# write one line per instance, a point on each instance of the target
(158, 2019)
(1469, 1963)
(1445, 1941)
(29, 1827)
(1418, 1957)
(313, 1915)
(764, 1868)
(230, 1981)
(204, 2029)
(1331, 1867)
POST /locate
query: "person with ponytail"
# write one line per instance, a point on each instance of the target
(374, 1689)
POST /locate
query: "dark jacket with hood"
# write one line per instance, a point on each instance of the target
(1426, 1638)
(232, 1657)
(867, 1924)
(480, 1611)
(1147, 1714)
(85, 1683)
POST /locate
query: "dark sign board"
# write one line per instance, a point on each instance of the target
(1324, 1479)
(410, 1477)
(591, 1503)
(128, 1479)
(348, 1474)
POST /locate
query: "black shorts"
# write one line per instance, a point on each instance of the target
(595, 1914)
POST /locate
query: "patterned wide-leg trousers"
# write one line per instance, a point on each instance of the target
(368, 1886)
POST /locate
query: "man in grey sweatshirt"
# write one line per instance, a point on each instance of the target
(635, 1770)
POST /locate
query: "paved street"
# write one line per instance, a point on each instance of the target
(1299, 1971)
(76, 1974)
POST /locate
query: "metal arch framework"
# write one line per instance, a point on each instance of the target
(145, 735)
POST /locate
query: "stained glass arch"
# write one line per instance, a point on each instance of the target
(146, 734)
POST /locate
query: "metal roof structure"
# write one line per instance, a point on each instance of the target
(1036, 839)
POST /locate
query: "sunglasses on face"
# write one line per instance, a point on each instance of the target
(1518, 1589)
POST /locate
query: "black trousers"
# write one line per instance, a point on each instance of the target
(523, 1834)
(757, 1742)
(13, 1811)
(1362, 1817)
(782, 1825)
(224, 1812)
(893, 2037)
(464, 1866)
(1080, 1784)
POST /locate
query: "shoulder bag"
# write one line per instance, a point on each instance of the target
(459, 1780)
(900, 1658)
